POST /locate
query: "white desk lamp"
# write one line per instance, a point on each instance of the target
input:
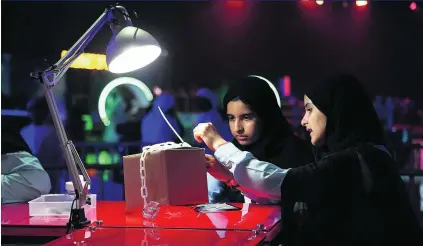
(129, 49)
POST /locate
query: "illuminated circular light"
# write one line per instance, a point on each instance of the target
(134, 58)
(360, 3)
(319, 2)
(275, 91)
(413, 6)
(113, 84)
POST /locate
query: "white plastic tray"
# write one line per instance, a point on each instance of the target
(57, 205)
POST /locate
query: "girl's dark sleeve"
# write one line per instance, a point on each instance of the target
(331, 176)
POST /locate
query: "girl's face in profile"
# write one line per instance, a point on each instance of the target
(315, 122)
(244, 124)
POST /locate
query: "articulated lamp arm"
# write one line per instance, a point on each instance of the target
(51, 77)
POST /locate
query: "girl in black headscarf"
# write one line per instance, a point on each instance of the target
(258, 126)
(272, 139)
(353, 192)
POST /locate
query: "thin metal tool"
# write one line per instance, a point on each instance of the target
(171, 127)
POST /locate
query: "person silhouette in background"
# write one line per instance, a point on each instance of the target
(154, 129)
(22, 176)
(42, 139)
(213, 114)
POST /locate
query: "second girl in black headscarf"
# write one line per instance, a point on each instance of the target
(354, 192)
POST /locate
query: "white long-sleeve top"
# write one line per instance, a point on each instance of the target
(259, 180)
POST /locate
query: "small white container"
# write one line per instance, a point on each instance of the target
(57, 205)
(60, 204)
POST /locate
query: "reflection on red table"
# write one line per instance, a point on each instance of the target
(149, 236)
(184, 217)
(14, 214)
(16, 219)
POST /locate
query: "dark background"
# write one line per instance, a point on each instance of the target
(209, 41)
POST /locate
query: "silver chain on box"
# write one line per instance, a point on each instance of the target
(149, 149)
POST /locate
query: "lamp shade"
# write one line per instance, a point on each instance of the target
(132, 48)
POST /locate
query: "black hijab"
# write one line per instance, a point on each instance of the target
(351, 117)
(277, 143)
(338, 199)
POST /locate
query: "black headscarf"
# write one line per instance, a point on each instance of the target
(277, 143)
(351, 117)
(336, 196)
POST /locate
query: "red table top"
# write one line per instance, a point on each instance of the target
(169, 217)
(184, 217)
(151, 236)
